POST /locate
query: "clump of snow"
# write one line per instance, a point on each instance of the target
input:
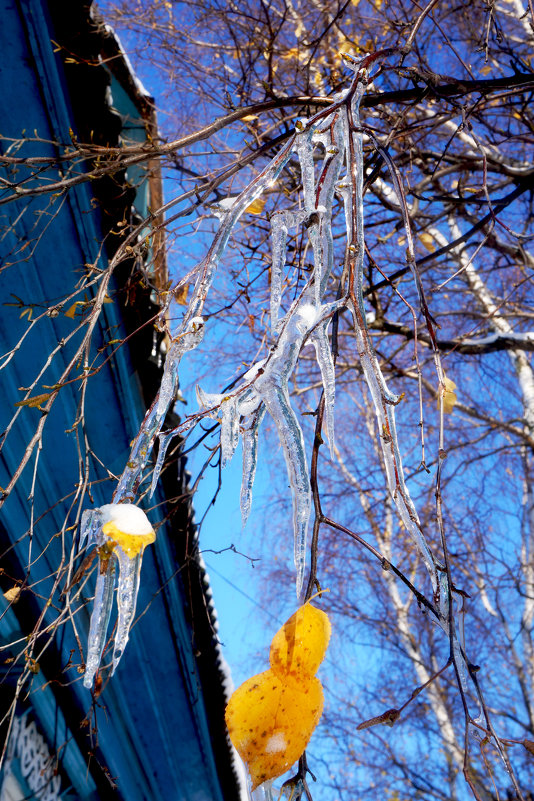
(276, 743)
(128, 518)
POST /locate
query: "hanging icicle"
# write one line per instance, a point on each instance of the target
(120, 532)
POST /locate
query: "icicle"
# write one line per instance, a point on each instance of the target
(275, 396)
(127, 589)
(304, 148)
(329, 176)
(279, 238)
(250, 460)
(90, 526)
(164, 442)
(120, 531)
(188, 340)
(323, 352)
(209, 400)
(105, 584)
(264, 792)
(229, 429)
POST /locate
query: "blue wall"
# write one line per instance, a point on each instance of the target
(152, 728)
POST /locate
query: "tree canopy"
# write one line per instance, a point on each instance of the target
(361, 177)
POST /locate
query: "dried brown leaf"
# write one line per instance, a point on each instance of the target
(387, 718)
(12, 595)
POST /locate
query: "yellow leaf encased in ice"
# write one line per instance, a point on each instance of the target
(256, 207)
(131, 544)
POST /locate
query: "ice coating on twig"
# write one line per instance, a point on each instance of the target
(183, 342)
(269, 385)
(188, 334)
(384, 400)
(164, 442)
(281, 222)
(120, 532)
(329, 148)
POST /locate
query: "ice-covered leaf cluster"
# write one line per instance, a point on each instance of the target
(120, 533)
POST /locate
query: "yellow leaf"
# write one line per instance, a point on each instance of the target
(181, 295)
(299, 647)
(256, 207)
(249, 118)
(293, 52)
(26, 313)
(270, 723)
(34, 401)
(299, 29)
(346, 47)
(131, 544)
(12, 595)
(271, 717)
(486, 70)
(71, 311)
(33, 666)
(427, 240)
(449, 395)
